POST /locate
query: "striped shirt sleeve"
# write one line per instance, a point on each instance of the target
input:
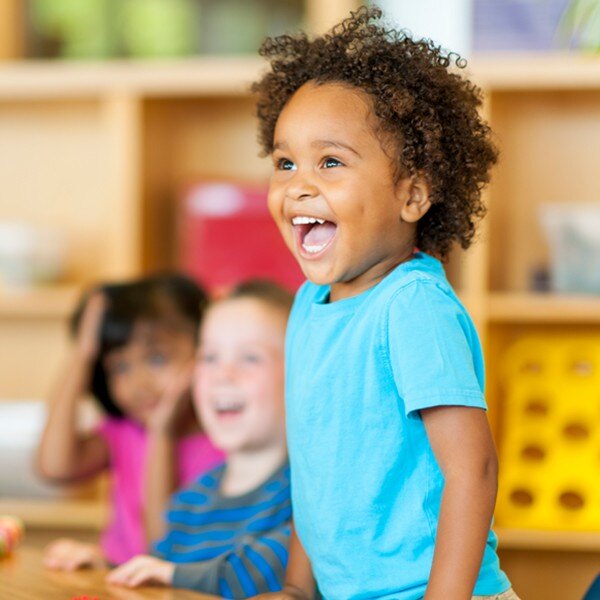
(256, 565)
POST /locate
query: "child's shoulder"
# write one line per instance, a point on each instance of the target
(421, 267)
(203, 494)
(115, 429)
(417, 285)
(200, 490)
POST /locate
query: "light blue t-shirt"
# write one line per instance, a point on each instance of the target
(366, 488)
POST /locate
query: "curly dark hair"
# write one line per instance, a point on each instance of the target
(429, 111)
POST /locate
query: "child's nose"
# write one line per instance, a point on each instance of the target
(301, 187)
(226, 371)
(145, 379)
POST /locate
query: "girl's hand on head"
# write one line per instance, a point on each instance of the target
(69, 555)
(88, 334)
(174, 403)
(141, 570)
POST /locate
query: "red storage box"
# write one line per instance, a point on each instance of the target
(226, 235)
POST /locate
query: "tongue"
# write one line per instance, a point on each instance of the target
(319, 234)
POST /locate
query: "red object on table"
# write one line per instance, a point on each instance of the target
(226, 235)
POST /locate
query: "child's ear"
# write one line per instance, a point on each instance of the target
(415, 198)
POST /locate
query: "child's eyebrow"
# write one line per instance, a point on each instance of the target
(319, 144)
(334, 144)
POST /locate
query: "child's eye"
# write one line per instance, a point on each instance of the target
(207, 358)
(284, 164)
(118, 367)
(251, 358)
(157, 359)
(331, 162)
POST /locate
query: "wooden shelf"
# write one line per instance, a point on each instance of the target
(60, 514)
(41, 302)
(543, 308)
(53, 79)
(232, 75)
(530, 539)
(531, 72)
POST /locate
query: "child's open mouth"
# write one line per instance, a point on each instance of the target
(228, 408)
(313, 234)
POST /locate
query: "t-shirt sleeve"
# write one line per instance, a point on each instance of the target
(255, 566)
(434, 350)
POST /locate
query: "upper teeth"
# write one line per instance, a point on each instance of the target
(307, 221)
(226, 404)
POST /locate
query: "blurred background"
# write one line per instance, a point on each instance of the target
(128, 145)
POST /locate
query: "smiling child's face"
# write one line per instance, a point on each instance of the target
(334, 194)
(239, 385)
(140, 372)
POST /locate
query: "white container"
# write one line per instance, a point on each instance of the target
(21, 425)
(449, 23)
(30, 255)
(573, 234)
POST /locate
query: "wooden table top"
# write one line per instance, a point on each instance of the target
(23, 577)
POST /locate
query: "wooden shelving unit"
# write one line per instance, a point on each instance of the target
(100, 150)
(56, 301)
(543, 308)
(536, 72)
(532, 539)
(228, 76)
(58, 514)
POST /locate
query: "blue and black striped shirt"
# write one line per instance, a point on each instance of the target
(234, 547)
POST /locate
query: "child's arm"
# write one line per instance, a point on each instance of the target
(255, 566)
(64, 454)
(160, 482)
(66, 554)
(299, 580)
(161, 459)
(143, 570)
(462, 443)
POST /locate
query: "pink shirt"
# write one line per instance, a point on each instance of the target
(124, 537)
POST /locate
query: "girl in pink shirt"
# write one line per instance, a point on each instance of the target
(134, 350)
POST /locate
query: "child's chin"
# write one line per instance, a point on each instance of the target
(226, 443)
(315, 275)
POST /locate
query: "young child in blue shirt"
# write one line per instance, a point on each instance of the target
(379, 159)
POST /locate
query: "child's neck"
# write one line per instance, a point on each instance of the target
(245, 471)
(342, 290)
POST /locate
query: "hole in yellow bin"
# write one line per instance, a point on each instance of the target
(532, 452)
(571, 500)
(576, 431)
(521, 497)
(536, 407)
(582, 368)
(531, 367)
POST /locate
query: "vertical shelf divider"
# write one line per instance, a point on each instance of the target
(12, 27)
(476, 274)
(123, 118)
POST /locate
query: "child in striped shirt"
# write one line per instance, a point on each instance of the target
(228, 533)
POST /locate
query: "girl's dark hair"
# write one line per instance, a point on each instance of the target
(429, 110)
(168, 299)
